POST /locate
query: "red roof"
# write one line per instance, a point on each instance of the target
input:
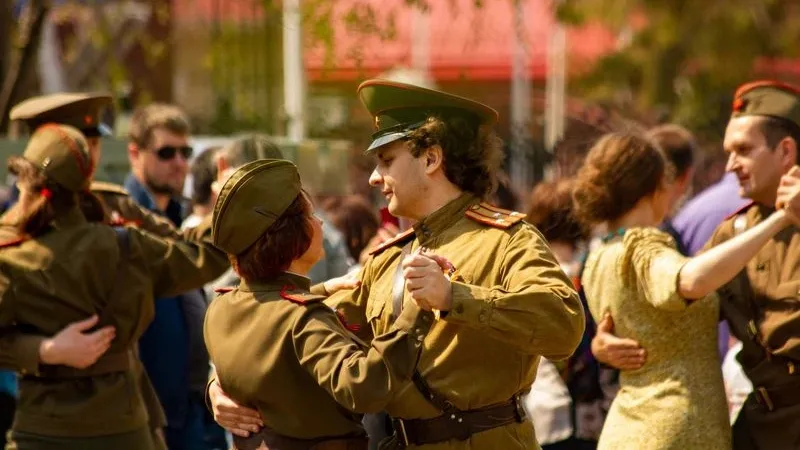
(465, 42)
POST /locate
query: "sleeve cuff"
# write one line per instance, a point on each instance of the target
(414, 321)
(28, 345)
(469, 306)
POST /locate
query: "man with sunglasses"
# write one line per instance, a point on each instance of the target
(172, 348)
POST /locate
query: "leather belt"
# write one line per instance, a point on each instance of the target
(267, 439)
(776, 398)
(459, 425)
(108, 363)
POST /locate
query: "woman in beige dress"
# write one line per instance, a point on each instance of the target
(658, 297)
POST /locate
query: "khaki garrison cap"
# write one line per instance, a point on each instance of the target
(252, 199)
(80, 110)
(767, 98)
(398, 108)
(62, 153)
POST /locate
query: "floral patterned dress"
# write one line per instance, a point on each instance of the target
(676, 401)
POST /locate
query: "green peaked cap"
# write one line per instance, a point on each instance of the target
(252, 199)
(397, 109)
(78, 109)
(768, 98)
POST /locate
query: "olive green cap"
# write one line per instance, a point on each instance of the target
(80, 110)
(252, 199)
(767, 98)
(398, 109)
(62, 153)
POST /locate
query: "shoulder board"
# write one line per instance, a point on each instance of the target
(223, 290)
(399, 239)
(102, 186)
(740, 210)
(493, 216)
(13, 241)
(288, 292)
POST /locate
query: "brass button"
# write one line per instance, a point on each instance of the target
(459, 308)
(420, 338)
(760, 267)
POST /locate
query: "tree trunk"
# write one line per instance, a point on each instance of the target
(22, 59)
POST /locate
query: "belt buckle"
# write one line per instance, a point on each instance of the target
(763, 398)
(400, 430)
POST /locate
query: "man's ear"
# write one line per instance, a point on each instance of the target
(434, 158)
(788, 149)
(133, 152)
(222, 166)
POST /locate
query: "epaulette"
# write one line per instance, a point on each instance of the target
(399, 239)
(102, 186)
(740, 210)
(14, 241)
(300, 297)
(493, 216)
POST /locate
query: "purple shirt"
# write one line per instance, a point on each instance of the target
(697, 220)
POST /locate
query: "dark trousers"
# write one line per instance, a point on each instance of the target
(572, 444)
(8, 405)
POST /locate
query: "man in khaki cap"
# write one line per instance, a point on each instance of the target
(27, 352)
(761, 303)
(510, 302)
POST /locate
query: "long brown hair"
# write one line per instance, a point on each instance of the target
(33, 218)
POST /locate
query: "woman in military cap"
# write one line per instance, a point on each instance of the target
(275, 346)
(659, 298)
(58, 264)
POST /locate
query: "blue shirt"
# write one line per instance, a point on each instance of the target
(164, 346)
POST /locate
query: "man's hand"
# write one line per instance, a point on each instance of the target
(788, 197)
(348, 281)
(232, 416)
(72, 347)
(622, 354)
(427, 284)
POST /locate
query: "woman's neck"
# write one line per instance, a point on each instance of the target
(642, 215)
(299, 267)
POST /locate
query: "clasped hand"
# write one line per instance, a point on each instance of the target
(426, 281)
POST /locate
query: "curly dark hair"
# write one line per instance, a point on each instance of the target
(284, 241)
(472, 152)
(620, 169)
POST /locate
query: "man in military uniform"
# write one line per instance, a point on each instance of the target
(510, 301)
(761, 302)
(83, 111)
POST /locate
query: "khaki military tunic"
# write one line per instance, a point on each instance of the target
(70, 273)
(21, 350)
(762, 306)
(512, 303)
(280, 350)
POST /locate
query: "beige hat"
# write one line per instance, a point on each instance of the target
(62, 153)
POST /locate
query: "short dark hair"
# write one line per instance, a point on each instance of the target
(678, 145)
(146, 119)
(472, 152)
(552, 212)
(284, 241)
(204, 173)
(775, 129)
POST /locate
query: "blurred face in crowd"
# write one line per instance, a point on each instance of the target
(758, 167)
(401, 178)
(94, 150)
(162, 166)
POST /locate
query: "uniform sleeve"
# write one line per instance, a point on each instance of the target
(352, 303)
(651, 260)
(534, 307)
(179, 266)
(20, 351)
(359, 379)
(147, 220)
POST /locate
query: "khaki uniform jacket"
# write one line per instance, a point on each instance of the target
(280, 350)
(766, 293)
(72, 272)
(21, 350)
(512, 304)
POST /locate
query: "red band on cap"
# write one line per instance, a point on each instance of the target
(764, 83)
(84, 166)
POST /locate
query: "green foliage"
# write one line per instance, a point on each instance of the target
(682, 60)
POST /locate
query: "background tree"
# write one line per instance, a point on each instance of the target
(681, 60)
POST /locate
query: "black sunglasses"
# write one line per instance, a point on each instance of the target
(168, 152)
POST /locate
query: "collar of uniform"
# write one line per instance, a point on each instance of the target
(444, 217)
(295, 281)
(74, 216)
